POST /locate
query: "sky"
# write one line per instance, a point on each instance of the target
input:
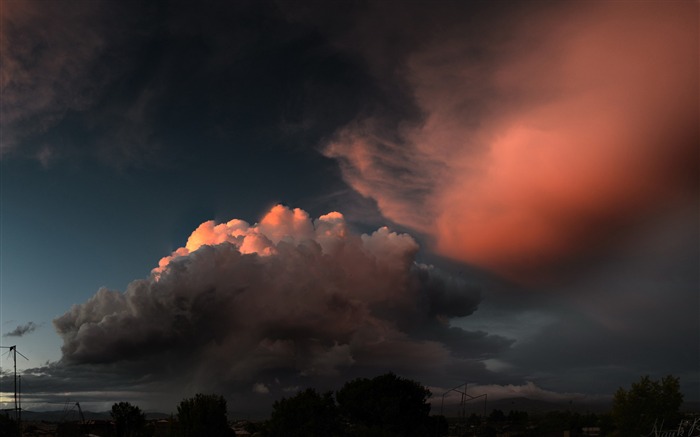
(250, 198)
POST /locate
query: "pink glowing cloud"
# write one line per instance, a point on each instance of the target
(292, 226)
(580, 125)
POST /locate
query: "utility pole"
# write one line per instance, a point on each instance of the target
(14, 351)
(19, 397)
(464, 398)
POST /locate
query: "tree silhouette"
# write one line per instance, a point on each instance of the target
(308, 414)
(647, 402)
(129, 420)
(203, 415)
(386, 405)
(8, 426)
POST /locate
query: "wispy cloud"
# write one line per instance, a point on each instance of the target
(22, 330)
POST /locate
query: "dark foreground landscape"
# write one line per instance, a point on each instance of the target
(384, 406)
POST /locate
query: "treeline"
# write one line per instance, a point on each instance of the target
(200, 416)
(391, 406)
(386, 405)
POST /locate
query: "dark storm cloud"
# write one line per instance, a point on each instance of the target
(134, 84)
(97, 387)
(40, 80)
(58, 63)
(21, 330)
(288, 299)
(637, 315)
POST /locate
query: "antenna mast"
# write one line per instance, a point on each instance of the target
(14, 351)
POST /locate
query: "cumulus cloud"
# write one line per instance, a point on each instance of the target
(544, 137)
(289, 295)
(22, 330)
(260, 388)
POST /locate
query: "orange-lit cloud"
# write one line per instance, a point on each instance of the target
(282, 224)
(577, 125)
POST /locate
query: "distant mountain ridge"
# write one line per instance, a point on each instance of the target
(71, 416)
(451, 410)
(528, 405)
